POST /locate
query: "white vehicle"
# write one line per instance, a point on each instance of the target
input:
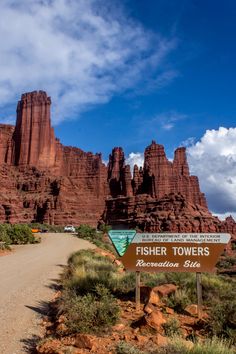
(69, 228)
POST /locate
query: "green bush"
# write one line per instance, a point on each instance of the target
(217, 289)
(21, 234)
(17, 234)
(104, 228)
(172, 327)
(211, 346)
(86, 231)
(126, 348)
(226, 262)
(223, 320)
(4, 237)
(179, 300)
(92, 313)
(124, 283)
(97, 237)
(87, 270)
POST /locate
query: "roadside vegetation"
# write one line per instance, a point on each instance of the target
(97, 237)
(93, 289)
(17, 234)
(177, 345)
(88, 300)
(218, 291)
(95, 293)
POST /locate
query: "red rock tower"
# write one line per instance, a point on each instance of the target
(34, 137)
(115, 168)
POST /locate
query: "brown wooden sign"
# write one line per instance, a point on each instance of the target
(171, 252)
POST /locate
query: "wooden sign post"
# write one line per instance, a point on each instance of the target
(199, 294)
(137, 292)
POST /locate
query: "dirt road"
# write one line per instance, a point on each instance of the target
(27, 277)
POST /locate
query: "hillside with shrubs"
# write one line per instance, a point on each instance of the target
(94, 310)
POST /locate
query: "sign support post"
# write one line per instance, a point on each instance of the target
(199, 294)
(137, 292)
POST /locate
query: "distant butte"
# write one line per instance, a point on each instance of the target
(43, 181)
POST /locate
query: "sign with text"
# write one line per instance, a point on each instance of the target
(172, 252)
(121, 239)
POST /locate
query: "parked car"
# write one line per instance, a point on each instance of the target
(38, 230)
(69, 228)
(35, 231)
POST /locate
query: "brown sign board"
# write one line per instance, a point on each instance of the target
(175, 252)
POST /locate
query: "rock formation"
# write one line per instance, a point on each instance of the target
(42, 180)
(34, 142)
(6, 132)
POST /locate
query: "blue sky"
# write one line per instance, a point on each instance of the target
(122, 73)
(201, 95)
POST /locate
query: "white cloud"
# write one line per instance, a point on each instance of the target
(81, 52)
(213, 160)
(135, 158)
(188, 142)
(167, 120)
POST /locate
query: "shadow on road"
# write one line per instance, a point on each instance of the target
(41, 309)
(29, 344)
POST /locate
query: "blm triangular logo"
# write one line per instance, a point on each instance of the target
(121, 239)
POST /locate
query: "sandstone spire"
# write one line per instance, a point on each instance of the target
(34, 137)
(157, 171)
(115, 168)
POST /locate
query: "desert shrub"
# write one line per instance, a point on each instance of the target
(182, 280)
(92, 313)
(217, 288)
(211, 346)
(124, 283)
(86, 231)
(20, 234)
(53, 228)
(16, 234)
(127, 348)
(226, 262)
(179, 300)
(153, 279)
(4, 237)
(87, 270)
(104, 228)
(223, 320)
(97, 237)
(172, 327)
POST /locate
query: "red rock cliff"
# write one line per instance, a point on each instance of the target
(42, 180)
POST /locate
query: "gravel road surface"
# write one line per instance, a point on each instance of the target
(27, 276)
